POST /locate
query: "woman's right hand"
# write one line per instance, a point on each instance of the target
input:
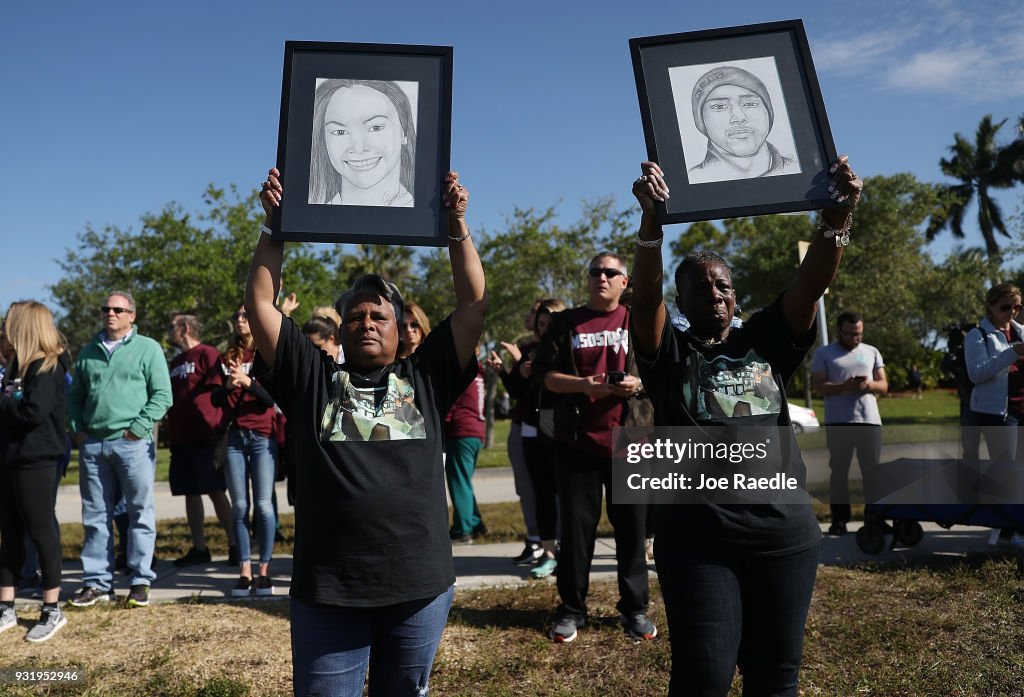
(270, 193)
(650, 186)
(495, 363)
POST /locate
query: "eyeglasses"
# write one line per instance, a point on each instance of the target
(608, 273)
(240, 315)
(107, 309)
(1007, 308)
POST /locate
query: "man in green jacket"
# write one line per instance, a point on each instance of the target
(121, 389)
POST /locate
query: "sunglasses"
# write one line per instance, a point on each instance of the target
(608, 273)
(1007, 308)
(240, 315)
(410, 325)
(106, 309)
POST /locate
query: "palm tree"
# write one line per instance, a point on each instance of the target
(980, 167)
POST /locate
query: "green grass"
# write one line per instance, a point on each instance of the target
(904, 420)
(497, 455)
(949, 629)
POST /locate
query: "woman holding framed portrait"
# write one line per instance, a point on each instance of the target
(736, 575)
(371, 589)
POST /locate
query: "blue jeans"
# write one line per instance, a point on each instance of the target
(105, 464)
(332, 647)
(250, 454)
(727, 612)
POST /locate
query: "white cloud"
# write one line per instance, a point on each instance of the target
(974, 52)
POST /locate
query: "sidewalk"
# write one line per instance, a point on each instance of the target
(480, 565)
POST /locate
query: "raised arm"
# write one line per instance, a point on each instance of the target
(799, 303)
(467, 273)
(648, 311)
(265, 278)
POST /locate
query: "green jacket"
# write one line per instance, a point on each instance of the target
(129, 390)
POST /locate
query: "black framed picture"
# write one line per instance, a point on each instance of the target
(735, 119)
(364, 143)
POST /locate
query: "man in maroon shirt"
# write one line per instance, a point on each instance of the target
(583, 357)
(193, 423)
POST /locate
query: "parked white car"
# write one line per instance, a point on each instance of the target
(803, 419)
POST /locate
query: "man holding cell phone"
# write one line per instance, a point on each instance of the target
(583, 359)
(849, 373)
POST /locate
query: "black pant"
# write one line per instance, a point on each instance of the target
(726, 612)
(580, 477)
(26, 506)
(541, 467)
(843, 440)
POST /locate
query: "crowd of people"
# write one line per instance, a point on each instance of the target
(371, 411)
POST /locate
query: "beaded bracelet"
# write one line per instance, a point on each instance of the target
(650, 244)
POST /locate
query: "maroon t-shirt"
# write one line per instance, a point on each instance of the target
(466, 417)
(1015, 384)
(195, 373)
(243, 407)
(598, 343)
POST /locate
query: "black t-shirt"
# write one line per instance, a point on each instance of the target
(371, 518)
(738, 384)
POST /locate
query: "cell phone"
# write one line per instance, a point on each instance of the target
(860, 378)
(616, 376)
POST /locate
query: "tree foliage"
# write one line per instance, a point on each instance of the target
(886, 273)
(178, 261)
(980, 167)
(533, 257)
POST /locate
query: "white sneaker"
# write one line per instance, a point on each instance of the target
(8, 618)
(50, 622)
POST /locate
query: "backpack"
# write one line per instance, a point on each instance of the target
(954, 362)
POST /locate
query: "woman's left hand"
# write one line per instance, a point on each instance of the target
(846, 186)
(455, 197)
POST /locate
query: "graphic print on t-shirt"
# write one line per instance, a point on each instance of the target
(384, 412)
(732, 387)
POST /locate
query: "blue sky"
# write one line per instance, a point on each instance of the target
(115, 109)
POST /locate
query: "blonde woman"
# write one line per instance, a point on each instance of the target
(413, 329)
(32, 440)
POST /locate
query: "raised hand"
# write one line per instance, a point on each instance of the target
(455, 197)
(513, 350)
(271, 191)
(650, 186)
